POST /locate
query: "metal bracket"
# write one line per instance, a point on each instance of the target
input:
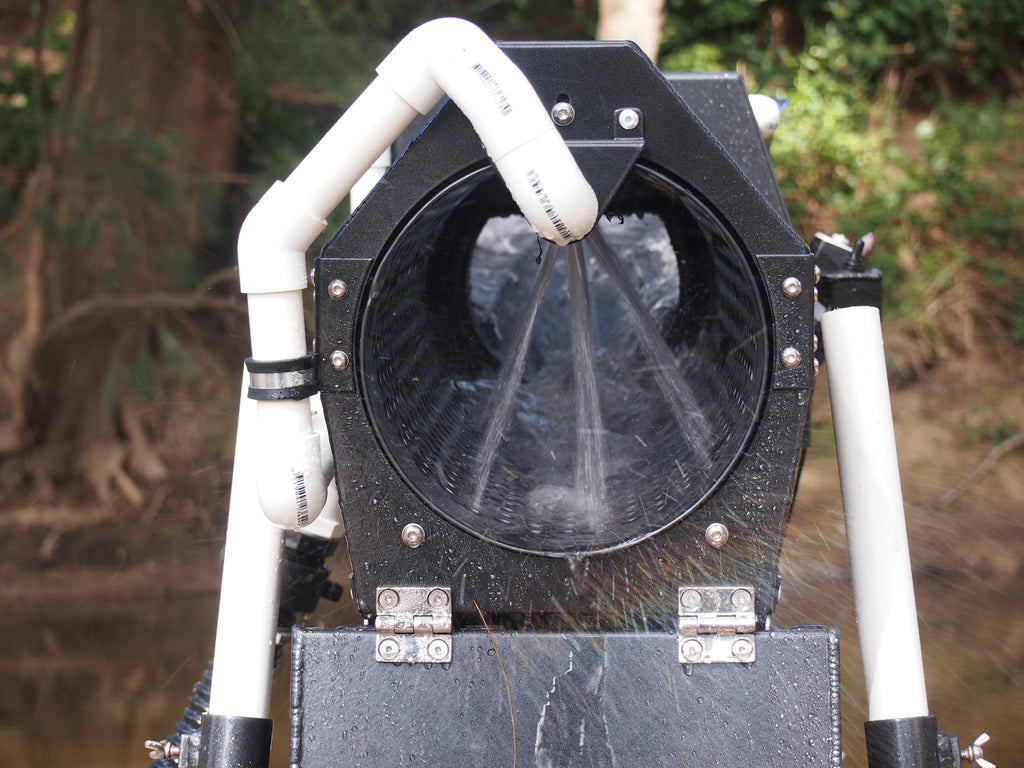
(716, 625)
(414, 625)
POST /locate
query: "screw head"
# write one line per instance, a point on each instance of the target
(742, 600)
(388, 648)
(437, 598)
(690, 600)
(387, 599)
(338, 289)
(629, 119)
(817, 274)
(339, 360)
(692, 650)
(791, 357)
(563, 113)
(716, 535)
(742, 649)
(438, 649)
(413, 535)
(792, 287)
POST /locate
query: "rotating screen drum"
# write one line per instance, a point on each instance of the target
(572, 400)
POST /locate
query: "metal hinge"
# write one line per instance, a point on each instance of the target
(716, 625)
(414, 625)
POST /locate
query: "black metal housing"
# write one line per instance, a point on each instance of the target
(589, 700)
(632, 585)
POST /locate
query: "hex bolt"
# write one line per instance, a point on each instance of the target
(387, 599)
(742, 649)
(792, 287)
(716, 535)
(388, 648)
(338, 289)
(742, 600)
(413, 535)
(339, 360)
(438, 649)
(437, 598)
(563, 113)
(629, 119)
(692, 650)
(690, 600)
(791, 357)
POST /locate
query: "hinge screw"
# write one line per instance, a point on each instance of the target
(387, 599)
(692, 650)
(388, 648)
(742, 649)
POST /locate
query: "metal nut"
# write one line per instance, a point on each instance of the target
(792, 287)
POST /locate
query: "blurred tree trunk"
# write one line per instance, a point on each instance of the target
(146, 120)
(637, 20)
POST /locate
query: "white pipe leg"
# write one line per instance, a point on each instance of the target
(250, 591)
(875, 525)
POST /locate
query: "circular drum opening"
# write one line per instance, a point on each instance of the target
(564, 400)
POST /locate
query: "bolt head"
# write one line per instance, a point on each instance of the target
(413, 535)
(338, 289)
(563, 113)
(792, 287)
(716, 534)
(387, 599)
(629, 119)
(339, 360)
(791, 357)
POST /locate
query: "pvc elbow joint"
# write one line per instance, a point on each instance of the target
(455, 57)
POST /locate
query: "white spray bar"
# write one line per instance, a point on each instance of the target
(875, 526)
(443, 56)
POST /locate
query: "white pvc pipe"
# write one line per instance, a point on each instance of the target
(875, 524)
(443, 56)
(243, 659)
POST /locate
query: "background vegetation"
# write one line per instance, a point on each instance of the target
(120, 194)
(135, 135)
